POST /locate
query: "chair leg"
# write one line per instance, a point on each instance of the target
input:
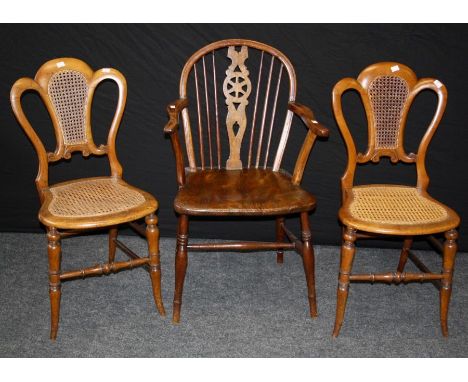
(181, 261)
(152, 236)
(348, 250)
(450, 249)
(112, 247)
(404, 254)
(279, 239)
(308, 262)
(54, 252)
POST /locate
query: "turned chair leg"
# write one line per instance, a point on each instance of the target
(279, 239)
(404, 253)
(54, 252)
(112, 246)
(152, 236)
(348, 250)
(181, 261)
(450, 249)
(308, 262)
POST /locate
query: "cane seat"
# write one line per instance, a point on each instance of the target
(395, 209)
(93, 202)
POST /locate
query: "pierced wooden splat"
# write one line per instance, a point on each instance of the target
(200, 75)
(236, 88)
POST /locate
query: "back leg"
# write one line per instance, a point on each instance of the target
(404, 253)
(308, 260)
(112, 246)
(279, 238)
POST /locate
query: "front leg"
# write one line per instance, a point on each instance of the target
(450, 250)
(181, 261)
(348, 250)
(55, 288)
(152, 235)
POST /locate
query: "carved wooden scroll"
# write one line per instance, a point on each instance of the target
(237, 88)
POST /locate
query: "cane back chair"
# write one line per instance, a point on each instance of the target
(244, 179)
(387, 91)
(67, 86)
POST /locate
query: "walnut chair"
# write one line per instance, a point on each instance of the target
(387, 90)
(240, 180)
(66, 86)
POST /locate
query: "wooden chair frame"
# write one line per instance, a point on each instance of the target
(67, 227)
(354, 229)
(179, 109)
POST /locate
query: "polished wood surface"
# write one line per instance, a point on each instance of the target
(253, 185)
(241, 192)
(387, 91)
(66, 87)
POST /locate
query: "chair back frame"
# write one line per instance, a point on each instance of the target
(236, 88)
(387, 91)
(66, 87)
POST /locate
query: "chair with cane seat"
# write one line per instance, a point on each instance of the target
(387, 91)
(232, 169)
(67, 86)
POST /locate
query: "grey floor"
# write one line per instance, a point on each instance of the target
(235, 305)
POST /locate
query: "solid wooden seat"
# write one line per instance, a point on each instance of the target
(387, 91)
(396, 210)
(241, 192)
(93, 203)
(235, 153)
(67, 86)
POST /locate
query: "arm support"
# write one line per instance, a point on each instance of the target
(315, 129)
(173, 110)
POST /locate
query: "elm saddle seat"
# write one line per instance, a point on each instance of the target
(234, 147)
(241, 192)
(67, 86)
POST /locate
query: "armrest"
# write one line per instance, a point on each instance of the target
(173, 110)
(316, 129)
(307, 116)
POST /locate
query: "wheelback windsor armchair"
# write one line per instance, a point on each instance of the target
(67, 86)
(387, 90)
(246, 179)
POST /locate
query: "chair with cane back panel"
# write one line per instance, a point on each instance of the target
(67, 86)
(244, 180)
(387, 91)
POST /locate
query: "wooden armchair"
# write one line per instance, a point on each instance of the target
(66, 86)
(387, 91)
(244, 179)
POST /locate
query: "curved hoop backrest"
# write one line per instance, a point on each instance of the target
(387, 91)
(237, 87)
(66, 86)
